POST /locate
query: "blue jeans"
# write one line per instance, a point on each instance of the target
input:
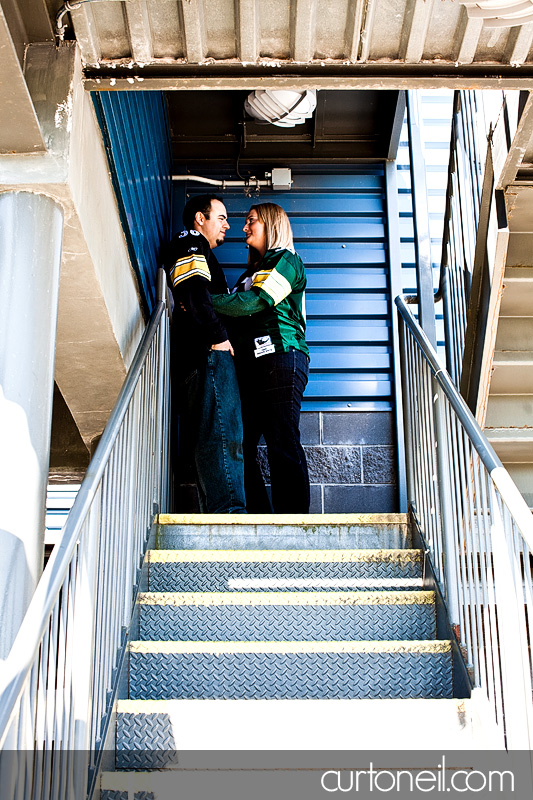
(271, 394)
(214, 411)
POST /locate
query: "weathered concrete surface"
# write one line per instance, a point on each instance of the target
(19, 131)
(99, 321)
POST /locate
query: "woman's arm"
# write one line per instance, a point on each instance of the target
(238, 304)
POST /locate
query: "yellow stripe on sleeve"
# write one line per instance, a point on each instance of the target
(275, 285)
(188, 267)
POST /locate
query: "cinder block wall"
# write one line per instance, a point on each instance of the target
(351, 458)
(352, 461)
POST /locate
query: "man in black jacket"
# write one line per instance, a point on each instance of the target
(202, 357)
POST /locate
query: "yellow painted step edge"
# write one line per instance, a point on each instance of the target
(282, 519)
(409, 646)
(285, 598)
(291, 556)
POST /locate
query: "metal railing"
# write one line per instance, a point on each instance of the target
(478, 530)
(461, 218)
(61, 676)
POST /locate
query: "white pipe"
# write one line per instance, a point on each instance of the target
(253, 182)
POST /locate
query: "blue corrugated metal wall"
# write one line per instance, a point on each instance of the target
(339, 227)
(136, 136)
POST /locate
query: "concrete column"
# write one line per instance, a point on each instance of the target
(31, 227)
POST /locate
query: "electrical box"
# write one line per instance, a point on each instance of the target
(281, 179)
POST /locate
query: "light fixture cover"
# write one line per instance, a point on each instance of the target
(500, 13)
(281, 107)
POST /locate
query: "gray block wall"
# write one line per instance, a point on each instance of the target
(352, 461)
(351, 458)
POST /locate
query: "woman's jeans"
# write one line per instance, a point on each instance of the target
(271, 394)
(214, 410)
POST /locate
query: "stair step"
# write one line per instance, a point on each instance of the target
(514, 333)
(285, 725)
(283, 531)
(512, 444)
(509, 410)
(269, 570)
(298, 670)
(512, 372)
(517, 298)
(277, 616)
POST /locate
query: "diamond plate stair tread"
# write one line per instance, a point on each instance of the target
(243, 725)
(166, 675)
(284, 621)
(194, 570)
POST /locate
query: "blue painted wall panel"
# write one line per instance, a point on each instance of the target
(135, 130)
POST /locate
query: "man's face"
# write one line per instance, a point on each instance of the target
(215, 226)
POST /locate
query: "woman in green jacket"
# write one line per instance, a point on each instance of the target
(272, 359)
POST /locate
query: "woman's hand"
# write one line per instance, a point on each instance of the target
(223, 346)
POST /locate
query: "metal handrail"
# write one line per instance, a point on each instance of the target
(478, 531)
(125, 485)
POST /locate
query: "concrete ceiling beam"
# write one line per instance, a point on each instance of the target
(353, 29)
(87, 33)
(246, 19)
(139, 31)
(303, 22)
(467, 37)
(20, 131)
(519, 45)
(193, 30)
(415, 31)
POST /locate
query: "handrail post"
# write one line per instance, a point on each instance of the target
(447, 520)
(512, 633)
(424, 270)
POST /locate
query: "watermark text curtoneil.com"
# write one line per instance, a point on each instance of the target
(439, 779)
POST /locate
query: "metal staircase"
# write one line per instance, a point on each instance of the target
(321, 608)
(509, 419)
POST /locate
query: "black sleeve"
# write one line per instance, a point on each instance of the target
(193, 297)
(190, 285)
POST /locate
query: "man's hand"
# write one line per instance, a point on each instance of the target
(223, 346)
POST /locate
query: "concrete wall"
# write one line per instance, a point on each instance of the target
(99, 319)
(351, 459)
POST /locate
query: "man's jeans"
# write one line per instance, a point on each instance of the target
(214, 407)
(271, 389)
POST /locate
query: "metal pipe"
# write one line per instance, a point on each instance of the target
(61, 27)
(249, 183)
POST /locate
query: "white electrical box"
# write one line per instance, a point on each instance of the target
(281, 179)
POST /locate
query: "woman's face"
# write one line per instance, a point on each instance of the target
(254, 230)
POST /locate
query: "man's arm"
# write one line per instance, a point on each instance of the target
(189, 277)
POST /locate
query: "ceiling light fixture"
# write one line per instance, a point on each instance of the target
(281, 107)
(501, 13)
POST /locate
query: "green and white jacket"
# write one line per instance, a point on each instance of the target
(269, 301)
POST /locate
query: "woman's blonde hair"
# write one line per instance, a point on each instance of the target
(278, 229)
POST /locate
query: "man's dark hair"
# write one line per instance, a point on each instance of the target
(201, 202)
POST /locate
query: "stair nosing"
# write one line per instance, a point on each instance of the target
(330, 598)
(348, 556)
(301, 520)
(231, 647)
